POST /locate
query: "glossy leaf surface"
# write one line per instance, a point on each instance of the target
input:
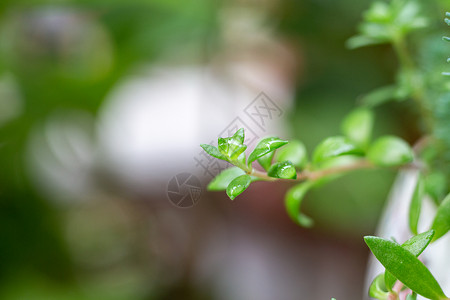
(265, 146)
(416, 245)
(441, 223)
(238, 185)
(415, 206)
(285, 170)
(332, 147)
(406, 267)
(221, 181)
(357, 127)
(389, 151)
(293, 201)
(213, 151)
(295, 152)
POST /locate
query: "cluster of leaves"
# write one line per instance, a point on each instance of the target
(285, 160)
(383, 23)
(391, 23)
(401, 261)
(331, 158)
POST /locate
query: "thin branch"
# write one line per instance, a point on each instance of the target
(314, 175)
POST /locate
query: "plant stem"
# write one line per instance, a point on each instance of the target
(314, 175)
(362, 164)
(415, 81)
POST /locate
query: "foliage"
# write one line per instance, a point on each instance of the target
(385, 22)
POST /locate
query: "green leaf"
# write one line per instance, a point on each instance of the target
(239, 136)
(265, 146)
(435, 185)
(389, 280)
(389, 22)
(406, 267)
(382, 95)
(285, 169)
(408, 16)
(379, 12)
(389, 151)
(416, 245)
(411, 296)
(293, 201)
(441, 223)
(415, 206)
(231, 147)
(357, 127)
(238, 185)
(237, 152)
(221, 181)
(332, 147)
(295, 152)
(223, 146)
(266, 160)
(376, 31)
(240, 160)
(213, 151)
(377, 289)
(359, 41)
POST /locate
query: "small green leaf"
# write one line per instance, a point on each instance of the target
(441, 223)
(411, 296)
(221, 181)
(359, 41)
(435, 185)
(223, 146)
(265, 146)
(239, 136)
(238, 185)
(266, 160)
(237, 152)
(293, 201)
(213, 151)
(378, 12)
(389, 151)
(416, 245)
(415, 206)
(410, 16)
(389, 22)
(406, 267)
(377, 289)
(295, 152)
(284, 169)
(357, 127)
(240, 160)
(332, 147)
(389, 280)
(231, 147)
(382, 95)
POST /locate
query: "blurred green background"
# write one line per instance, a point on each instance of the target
(70, 228)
